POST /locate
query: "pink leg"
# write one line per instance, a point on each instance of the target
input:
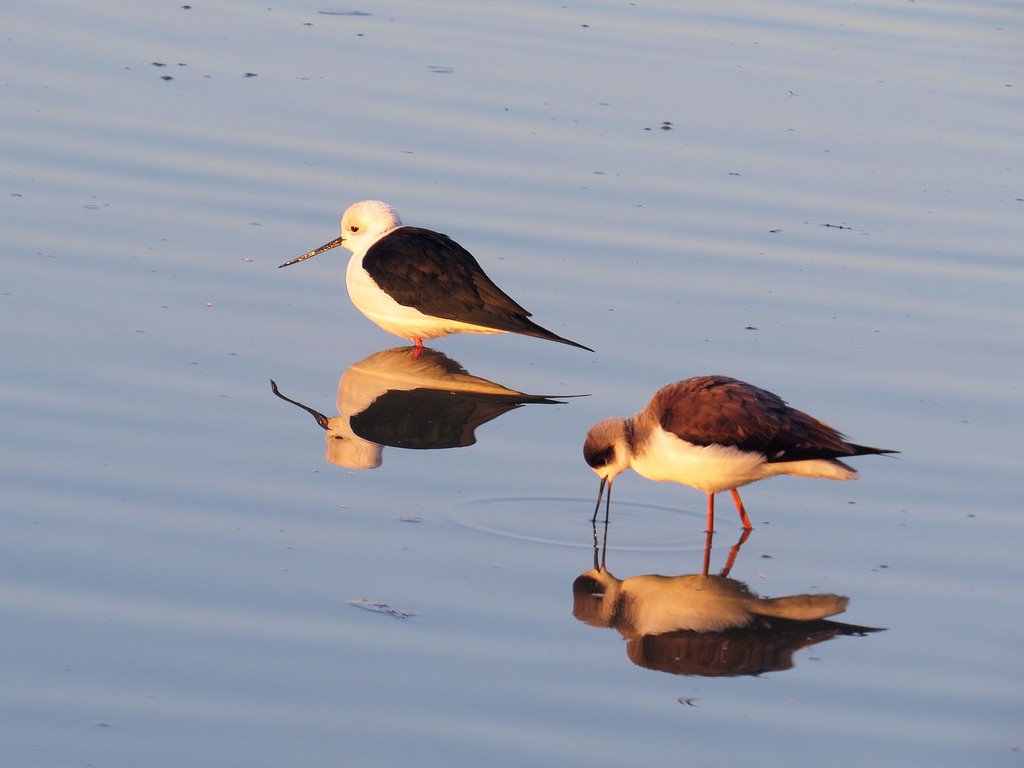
(743, 513)
(419, 349)
(711, 513)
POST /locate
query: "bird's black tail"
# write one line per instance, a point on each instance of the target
(865, 450)
(530, 328)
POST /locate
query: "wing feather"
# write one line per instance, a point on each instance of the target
(721, 410)
(431, 272)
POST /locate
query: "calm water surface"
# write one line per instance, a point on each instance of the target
(824, 199)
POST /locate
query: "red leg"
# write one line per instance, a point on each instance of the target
(419, 348)
(711, 513)
(707, 552)
(743, 513)
(735, 551)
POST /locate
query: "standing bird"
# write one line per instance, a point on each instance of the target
(715, 433)
(419, 284)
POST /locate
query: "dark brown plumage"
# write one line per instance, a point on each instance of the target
(720, 410)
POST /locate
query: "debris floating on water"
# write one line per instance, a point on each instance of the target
(379, 606)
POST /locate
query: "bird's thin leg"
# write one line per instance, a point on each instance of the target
(743, 513)
(707, 552)
(735, 551)
(711, 513)
(418, 350)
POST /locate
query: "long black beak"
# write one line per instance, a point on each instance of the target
(320, 418)
(608, 503)
(333, 244)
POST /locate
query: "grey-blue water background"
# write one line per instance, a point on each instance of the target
(822, 198)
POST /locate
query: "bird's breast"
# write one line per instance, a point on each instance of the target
(709, 468)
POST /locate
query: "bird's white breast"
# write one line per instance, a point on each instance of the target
(711, 468)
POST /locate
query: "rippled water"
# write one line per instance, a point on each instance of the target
(824, 199)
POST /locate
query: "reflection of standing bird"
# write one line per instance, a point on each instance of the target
(426, 401)
(715, 433)
(419, 284)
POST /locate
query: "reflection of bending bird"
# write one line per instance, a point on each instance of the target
(706, 625)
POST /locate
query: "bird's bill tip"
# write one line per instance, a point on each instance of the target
(333, 244)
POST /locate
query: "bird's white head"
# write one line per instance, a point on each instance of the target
(366, 222)
(606, 449)
(362, 225)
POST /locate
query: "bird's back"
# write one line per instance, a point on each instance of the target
(719, 410)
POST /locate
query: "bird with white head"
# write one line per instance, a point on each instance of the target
(420, 284)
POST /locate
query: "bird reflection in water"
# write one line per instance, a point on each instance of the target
(711, 626)
(408, 398)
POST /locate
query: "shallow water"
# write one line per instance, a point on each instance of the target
(822, 199)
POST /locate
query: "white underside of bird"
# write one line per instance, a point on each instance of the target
(653, 604)
(716, 468)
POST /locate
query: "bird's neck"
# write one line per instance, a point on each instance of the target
(629, 432)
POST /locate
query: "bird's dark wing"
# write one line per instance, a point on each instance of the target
(430, 272)
(433, 418)
(724, 411)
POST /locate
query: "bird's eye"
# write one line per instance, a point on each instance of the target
(353, 228)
